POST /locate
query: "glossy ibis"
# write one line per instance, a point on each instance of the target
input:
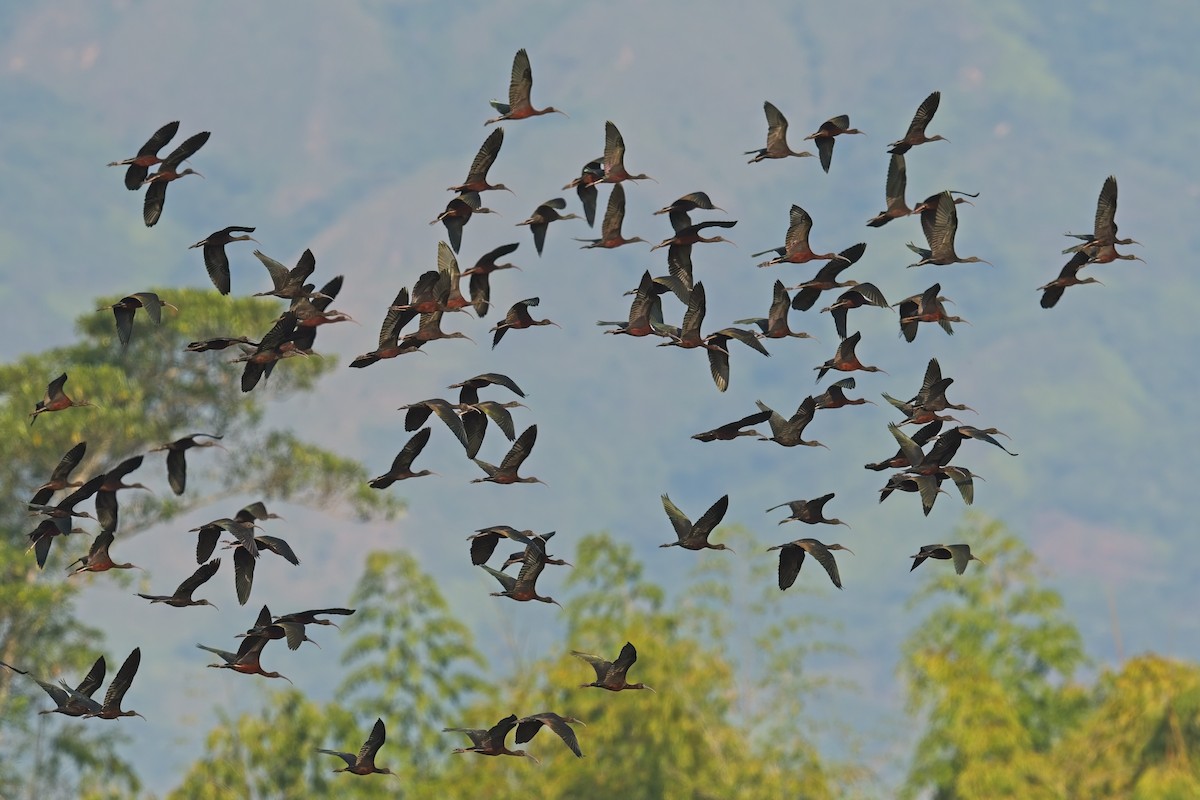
(611, 675)
(897, 182)
(717, 347)
(810, 512)
(527, 728)
(125, 308)
(645, 312)
(845, 359)
(824, 137)
(690, 202)
(789, 432)
(416, 414)
(147, 156)
(518, 105)
(506, 473)
(695, 537)
(610, 229)
(177, 463)
(796, 249)
(916, 128)
(480, 277)
(959, 553)
(1104, 231)
(56, 399)
(60, 477)
(182, 598)
(106, 494)
(791, 558)
(156, 193)
(777, 146)
(246, 659)
(517, 318)
(614, 158)
(523, 588)
(216, 261)
(835, 395)
(732, 430)
(940, 229)
(476, 180)
(1067, 276)
(401, 468)
(70, 702)
(775, 324)
(585, 188)
(364, 762)
(111, 707)
(458, 213)
(98, 559)
(863, 294)
(541, 218)
(490, 742)
(925, 307)
(827, 278)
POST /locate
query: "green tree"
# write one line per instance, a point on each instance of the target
(411, 665)
(149, 393)
(990, 668)
(1139, 740)
(694, 737)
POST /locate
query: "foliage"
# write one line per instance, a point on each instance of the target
(410, 662)
(1140, 738)
(990, 667)
(146, 394)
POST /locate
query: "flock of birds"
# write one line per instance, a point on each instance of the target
(436, 292)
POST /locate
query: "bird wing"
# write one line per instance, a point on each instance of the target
(825, 558)
(55, 389)
(521, 83)
(870, 292)
(925, 112)
(600, 665)
(279, 273)
(82, 493)
(507, 581)
(411, 449)
(1105, 229)
(679, 521)
(159, 140)
(961, 555)
(798, 230)
(124, 318)
(940, 233)
(184, 151)
(497, 379)
(777, 126)
(366, 754)
(347, 757)
(500, 415)
(202, 574)
(279, 547)
(304, 267)
(243, 573)
(825, 151)
(533, 561)
(485, 157)
(120, 684)
(206, 542)
(68, 463)
(91, 682)
(693, 318)
(614, 214)
(614, 146)
(911, 450)
(791, 558)
(897, 181)
(216, 261)
(712, 517)
(445, 412)
(520, 450)
(625, 659)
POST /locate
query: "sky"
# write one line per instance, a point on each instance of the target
(338, 127)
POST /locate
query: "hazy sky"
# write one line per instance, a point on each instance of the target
(338, 126)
